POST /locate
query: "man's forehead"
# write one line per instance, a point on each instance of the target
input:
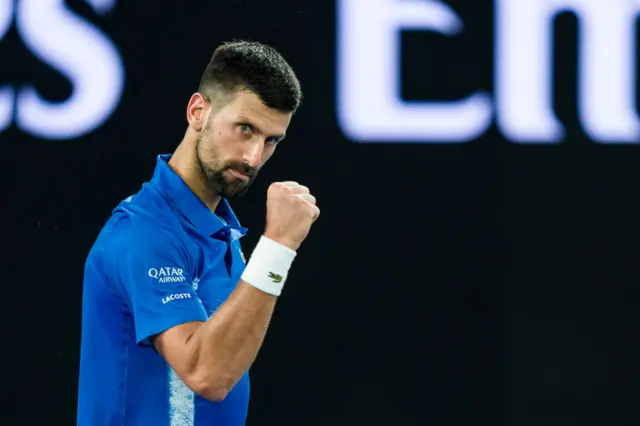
(250, 107)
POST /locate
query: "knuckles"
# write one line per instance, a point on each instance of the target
(294, 197)
(292, 192)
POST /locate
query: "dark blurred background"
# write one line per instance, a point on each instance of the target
(475, 263)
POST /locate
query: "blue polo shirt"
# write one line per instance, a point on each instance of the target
(162, 259)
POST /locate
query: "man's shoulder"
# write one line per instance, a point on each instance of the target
(135, 224)
(124, 232)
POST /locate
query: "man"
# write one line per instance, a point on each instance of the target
(172, 319)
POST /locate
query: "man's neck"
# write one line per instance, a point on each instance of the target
(184, 163)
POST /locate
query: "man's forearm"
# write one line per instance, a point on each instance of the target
(226, 345)
(219, 351)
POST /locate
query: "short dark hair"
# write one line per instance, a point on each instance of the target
(256, 67)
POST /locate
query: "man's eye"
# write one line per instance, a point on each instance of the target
(245, 128)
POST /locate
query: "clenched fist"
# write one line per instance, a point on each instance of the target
(291, 210)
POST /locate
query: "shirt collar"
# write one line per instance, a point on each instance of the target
(224, 221)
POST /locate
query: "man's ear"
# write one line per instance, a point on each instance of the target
(196, 112)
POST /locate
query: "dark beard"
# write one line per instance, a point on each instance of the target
(219, 184)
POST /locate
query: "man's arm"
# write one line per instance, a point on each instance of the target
(210, 357)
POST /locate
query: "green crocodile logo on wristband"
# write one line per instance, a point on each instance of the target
(275, 277)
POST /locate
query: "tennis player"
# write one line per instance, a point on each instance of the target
(172, 318)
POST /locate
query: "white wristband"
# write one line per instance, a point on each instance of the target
(268, 266)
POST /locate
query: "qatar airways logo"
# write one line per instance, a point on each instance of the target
(368, 99)
(75, 48)
(167, 274)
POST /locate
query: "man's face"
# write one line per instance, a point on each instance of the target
(236, 141)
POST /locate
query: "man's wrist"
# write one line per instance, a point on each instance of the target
(284, 241)
(269, 265)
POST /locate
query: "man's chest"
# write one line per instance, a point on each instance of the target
(217, 267)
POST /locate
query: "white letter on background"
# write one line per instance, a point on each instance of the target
(524, 70)
(6, 92)
(368, 72)
(81, 52)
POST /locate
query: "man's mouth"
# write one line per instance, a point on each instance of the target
(239, 175)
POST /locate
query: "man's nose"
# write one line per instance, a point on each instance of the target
(253, 154)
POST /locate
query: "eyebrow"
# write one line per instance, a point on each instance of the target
(245, 120)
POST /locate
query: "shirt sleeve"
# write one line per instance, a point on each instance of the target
(152, 276)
